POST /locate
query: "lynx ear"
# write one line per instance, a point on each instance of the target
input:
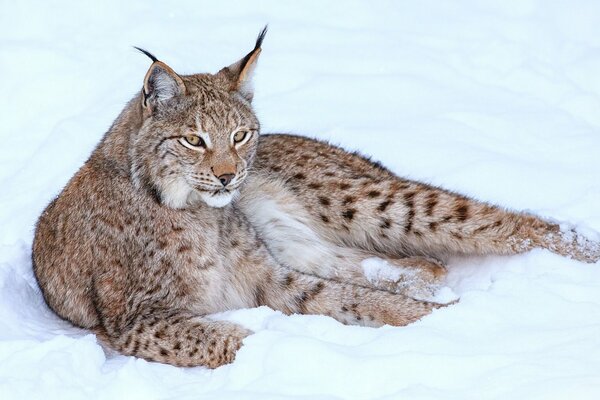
(161, 83)
(239, 75)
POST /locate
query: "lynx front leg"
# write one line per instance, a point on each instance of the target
(175, 338)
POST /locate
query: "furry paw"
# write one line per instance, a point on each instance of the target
(225, 347)
(572, 244)
(415, 277)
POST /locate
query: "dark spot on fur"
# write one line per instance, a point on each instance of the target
(432, 201)
(159, 334)
(289, 280)
(318, 288)
(349, 214)
(259, 296)
(462, 212)
(324, 218)
(344, 186)
(301, 302)
(183, 248)
(299, 176)
(177, 346)
(409, 219)
(433, 226)
(385, 223)
(410, 215)
(482, 228)
(324, 201)
(384, 205)
(348, 200)
(409, 196)
(314, 185)
(373, 193)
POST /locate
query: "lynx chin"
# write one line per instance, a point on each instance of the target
(184, 210)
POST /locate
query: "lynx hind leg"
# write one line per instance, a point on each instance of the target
(178, 339)
(294, 292)
(420, 278)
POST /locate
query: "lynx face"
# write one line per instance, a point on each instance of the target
(199, 147)
(199, 134)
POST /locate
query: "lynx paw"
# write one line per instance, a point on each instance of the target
(572, 244)
(224, 349)
(416, 277)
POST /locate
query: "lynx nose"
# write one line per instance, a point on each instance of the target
(225, 178)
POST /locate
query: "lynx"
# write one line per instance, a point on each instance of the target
(183, 210)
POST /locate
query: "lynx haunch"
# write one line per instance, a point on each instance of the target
(184, 210)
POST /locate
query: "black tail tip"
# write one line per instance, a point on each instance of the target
(261, 37)
(147, 53)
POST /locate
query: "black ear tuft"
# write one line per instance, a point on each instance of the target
(261, 37)
(237, 77)
(150, 55)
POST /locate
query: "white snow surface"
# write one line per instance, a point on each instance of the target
(499, 100)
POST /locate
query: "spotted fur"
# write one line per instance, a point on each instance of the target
(171, 220)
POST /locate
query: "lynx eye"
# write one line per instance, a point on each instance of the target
(194, 140)
(239, 136)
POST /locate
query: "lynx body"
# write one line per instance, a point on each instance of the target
(183, 210)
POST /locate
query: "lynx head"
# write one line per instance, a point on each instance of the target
(199, 133)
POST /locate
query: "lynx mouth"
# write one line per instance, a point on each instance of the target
(218, 198)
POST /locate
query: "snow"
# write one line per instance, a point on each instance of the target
(498, 100)
(376, 269)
